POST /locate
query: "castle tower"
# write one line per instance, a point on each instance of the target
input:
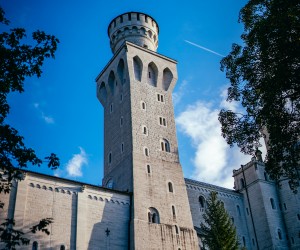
(264, 215)
(141, 153)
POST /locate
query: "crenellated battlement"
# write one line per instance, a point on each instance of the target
(135, 27)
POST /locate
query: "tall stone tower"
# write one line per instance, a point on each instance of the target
(141, 153)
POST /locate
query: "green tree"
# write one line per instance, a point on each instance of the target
(18, 62)
(264, 75)
(218, 230)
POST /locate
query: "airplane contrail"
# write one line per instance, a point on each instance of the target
(201, 47)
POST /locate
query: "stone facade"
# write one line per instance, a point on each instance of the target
(145, 203)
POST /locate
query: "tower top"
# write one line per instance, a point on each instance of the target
(136, 27)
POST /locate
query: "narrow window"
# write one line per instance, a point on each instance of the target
(149, 74)
(170, 187)
(121, 121)
(272, 203)
(242, 183)
(160, 120)
(149, 217)
(129, 16)
(109, 158)
(158, 97)
(173, 212)
(162, 146)
(148, 169)
(35, 245)
(202, 201)
(122, 147)
(143, 105)
(164, 122)
(144, 130)
(146, 151)
(238, 209)
(279, 234)
(266, 176)
(162, 98)
(176, 230)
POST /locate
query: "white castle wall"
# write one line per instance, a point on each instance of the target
(81, 213)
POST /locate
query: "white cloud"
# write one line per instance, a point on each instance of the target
(214, 160)
(74, 165)
(48, 119)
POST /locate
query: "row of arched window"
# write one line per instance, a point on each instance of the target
(152, 75)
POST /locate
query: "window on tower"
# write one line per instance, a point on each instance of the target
(153, 215)
(272, 203)
(148, 169)
(160, 98)
(35, 245)
(143, 104)
(145, 130)
(170, 186)
(279, 234)
(122, 147)
(146, 151)
(162, 121)
(109, 158)
(173, 212)
(165, 145)
(202, 202)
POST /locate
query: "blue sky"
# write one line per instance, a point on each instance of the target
(60, 113)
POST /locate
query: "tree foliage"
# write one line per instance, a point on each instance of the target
(264, 75)
(18, 62)
(218, 231)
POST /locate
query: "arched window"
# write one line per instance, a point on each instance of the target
(202, 201)
(272, 203)
(165, 145)
(145, 130)
(35, 245)
(153, 215)
(138, 68)
(143, 104)
(173, 212)
(170, 186)
(152, 74)
(120, 70)
(242, 183)
(167, 78)
(279, 234)
(111, 82)
(110, 183)
(62, 247)
(146, 151)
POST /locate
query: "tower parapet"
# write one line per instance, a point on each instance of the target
(135, 27)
